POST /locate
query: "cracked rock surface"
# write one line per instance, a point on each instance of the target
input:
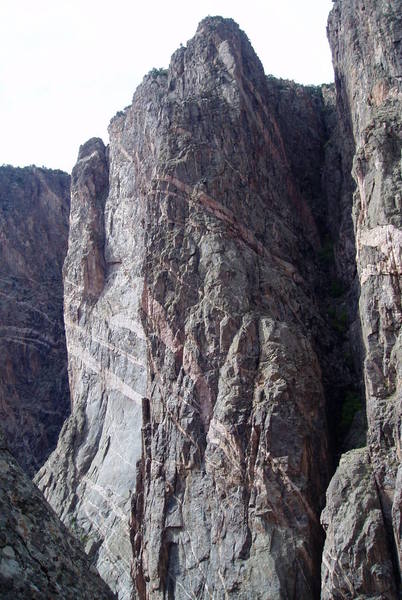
(205, 349)
(39, 558)
(357, 561)
(192, 332)
(367, 51)
(235, 450)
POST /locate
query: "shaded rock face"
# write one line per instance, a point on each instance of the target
(34, 397)
(319, 155)
(366, 44)
(39, 558)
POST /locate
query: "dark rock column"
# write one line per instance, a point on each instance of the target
(366, 43)
(39, 558)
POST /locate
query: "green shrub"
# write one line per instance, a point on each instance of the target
(157, 72)
(336, 289)
(350, 405)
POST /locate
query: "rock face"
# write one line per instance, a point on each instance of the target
(39, 559)
(356, 562)
(193, 331)
(34, 397)
(235, 453)
(91, 475)
(210, 285)
(366, 43)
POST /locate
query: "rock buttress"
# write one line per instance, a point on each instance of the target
(34, 396)
(235, 459)
(366, 43)
(90, 477)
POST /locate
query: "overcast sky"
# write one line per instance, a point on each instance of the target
(67, 66)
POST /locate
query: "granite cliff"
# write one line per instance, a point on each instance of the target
(34, 395)
(232, 312)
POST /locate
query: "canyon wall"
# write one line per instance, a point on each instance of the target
(216, 348)
(362, 555)
(34, 396)
(198, 334)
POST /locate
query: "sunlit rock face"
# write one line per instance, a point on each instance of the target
(34, 396)
(39, 558)
(366, 43)
(90, 477)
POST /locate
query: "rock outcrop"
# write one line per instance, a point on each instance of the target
(34, 396)
(366, 40)
(91, 475)
(211, 321)
(198, 344)
(356, 562)
(39, 558)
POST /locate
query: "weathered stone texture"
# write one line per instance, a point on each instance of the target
(34, 397)
(235, 448)
(39, 558)
(356, 562)
(203, 357)
(366, 43)
(187, 290)
(91, 475)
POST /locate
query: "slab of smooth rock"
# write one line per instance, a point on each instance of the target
(91, 475)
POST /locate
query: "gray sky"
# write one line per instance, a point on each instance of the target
(67, 66)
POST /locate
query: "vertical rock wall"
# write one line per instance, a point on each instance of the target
(207, 335)
(367, 53)
(91, 475)
(34, 397)
(192, 329)
(235, 456)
